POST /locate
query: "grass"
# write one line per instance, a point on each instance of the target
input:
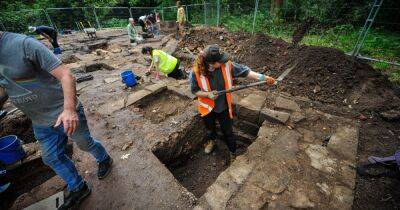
(379, 43)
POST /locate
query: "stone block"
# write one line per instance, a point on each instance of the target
(300, 200)
(249, 108)
(156, 88)
(320, 159)
(283, 103)
(344, 142)
(218, 194)
(273, 116)
(111, 107)
(185, 92)
(111, 80)
(308, 136)
(297, 117)
(136, 96)
(240, 169)
(97, 45)
(342, 198)
(250, 128)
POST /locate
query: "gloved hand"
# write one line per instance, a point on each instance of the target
(212, 95)
(270, 81)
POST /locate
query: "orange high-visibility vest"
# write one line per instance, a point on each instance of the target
(206, 105)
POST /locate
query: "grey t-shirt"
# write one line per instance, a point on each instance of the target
(217, 83)
(25, 66)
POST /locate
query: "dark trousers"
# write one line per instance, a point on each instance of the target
(54, 43)
(226, 125)
(143, 25)
(177, 73)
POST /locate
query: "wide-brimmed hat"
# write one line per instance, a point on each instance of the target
(212, 54)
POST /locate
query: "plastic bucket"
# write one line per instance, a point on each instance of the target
(129, 78)
(11, 149)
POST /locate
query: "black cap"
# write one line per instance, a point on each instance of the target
(212, 54)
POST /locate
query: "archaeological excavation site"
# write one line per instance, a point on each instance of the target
(299, 143)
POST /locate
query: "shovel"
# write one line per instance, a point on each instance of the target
(241, 87)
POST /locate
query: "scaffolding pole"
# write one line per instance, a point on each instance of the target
(49, 19)
(255, 16)
(368, 23)
(95, 16)
(205, 13)
(218, 12)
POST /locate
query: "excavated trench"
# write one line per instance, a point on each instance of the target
(184, 155)
(161, 106)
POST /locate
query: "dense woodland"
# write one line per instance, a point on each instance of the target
(320, 9)
(336, 23)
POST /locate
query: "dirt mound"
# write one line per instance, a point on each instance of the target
(324, 74)
(256, 51)
(321, 74)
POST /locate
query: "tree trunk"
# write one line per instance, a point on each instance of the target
(276, 8)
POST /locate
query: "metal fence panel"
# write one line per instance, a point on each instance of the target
(136, 12)
(109, 17)
(70, 18)
(333, 25)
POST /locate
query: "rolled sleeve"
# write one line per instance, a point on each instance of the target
(240, 70)
(194, 87)
(42, 57)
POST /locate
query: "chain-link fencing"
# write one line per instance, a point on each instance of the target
(329, 25)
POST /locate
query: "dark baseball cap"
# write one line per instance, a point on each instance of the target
(212, 54)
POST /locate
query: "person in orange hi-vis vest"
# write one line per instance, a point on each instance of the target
(214, 71)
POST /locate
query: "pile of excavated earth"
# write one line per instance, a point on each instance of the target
(299, 143)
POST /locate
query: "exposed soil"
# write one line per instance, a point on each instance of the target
(328, 76)
(158, 108)
(201, 170)
(17, 124)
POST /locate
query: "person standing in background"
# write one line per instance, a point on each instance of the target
(158, 20)
(181, 18)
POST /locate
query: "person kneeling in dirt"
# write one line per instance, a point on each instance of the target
(134, 37)
(50, 34)
(43, 88)
(213, 71)
(164, 63)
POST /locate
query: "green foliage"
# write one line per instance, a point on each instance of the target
(114, 23)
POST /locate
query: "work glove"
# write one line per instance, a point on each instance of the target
(270, 81)
(212, 95)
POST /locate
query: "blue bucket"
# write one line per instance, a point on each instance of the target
(129, 78)
(11, 149)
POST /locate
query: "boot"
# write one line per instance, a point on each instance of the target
(73, 199)
(104, 168)
(209, 146)
(232, 157)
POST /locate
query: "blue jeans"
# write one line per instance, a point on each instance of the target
(53, 141)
